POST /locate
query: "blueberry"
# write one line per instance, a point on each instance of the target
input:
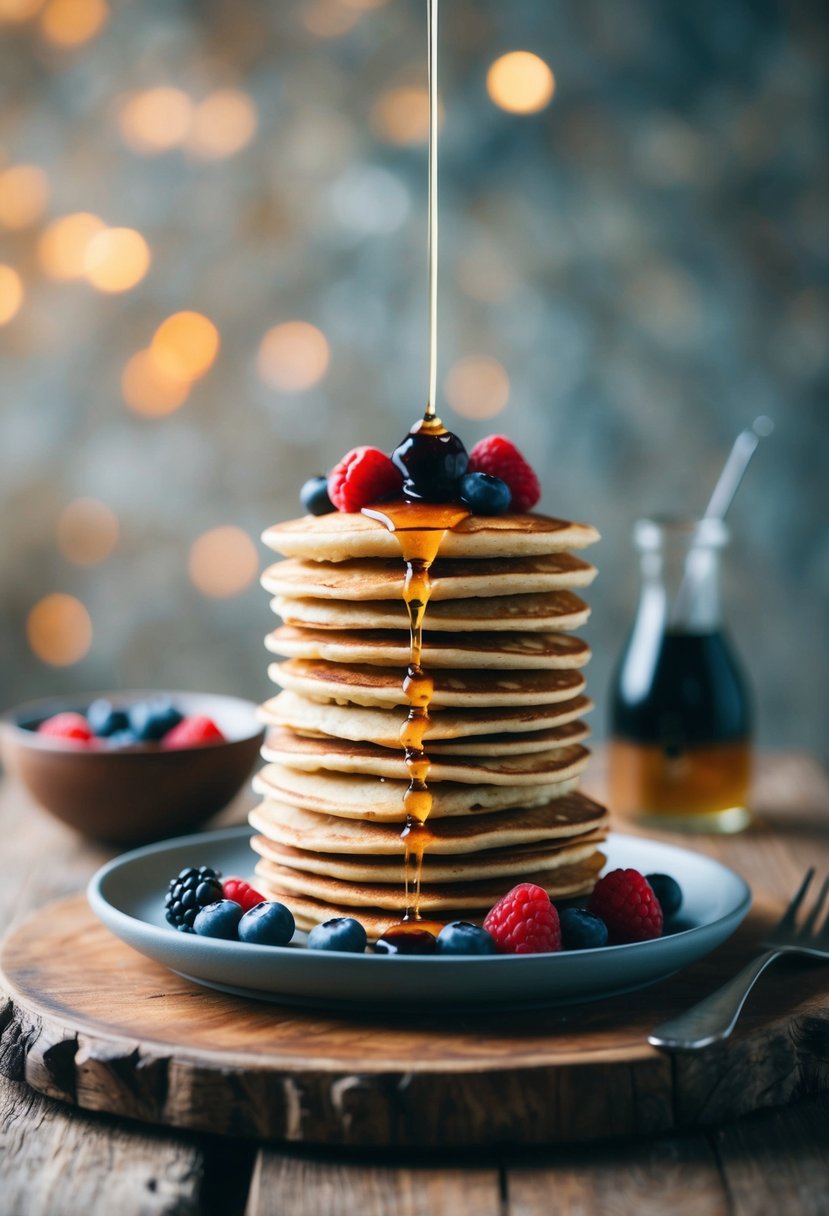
(122, 738)
(485, 495)
(342, 933)
(220, 919)
(460, 937)
(150, 720)
(105, 720)
(432, 462)
(581, 930)
(314, 496)
(267, 924)
(668, 891)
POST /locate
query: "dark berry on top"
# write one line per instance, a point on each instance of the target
(267, 924)
(432, 461)
(190, 891)
(460, 937)
(668, 891)
(485, 495)
(343, 933)
(105, 720)
(219, 919)
(407, 941)
(581, 930)
(151, 720)
(314, 496)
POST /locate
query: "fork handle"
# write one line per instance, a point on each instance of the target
(715, 1017)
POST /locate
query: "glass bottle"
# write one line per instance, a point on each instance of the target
(680, 748)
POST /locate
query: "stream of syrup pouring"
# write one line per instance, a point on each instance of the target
(420, 528)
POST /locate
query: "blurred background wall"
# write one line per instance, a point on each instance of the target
(212, 283)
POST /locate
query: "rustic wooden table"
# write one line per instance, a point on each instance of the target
(58, 1161)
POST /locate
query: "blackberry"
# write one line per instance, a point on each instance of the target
(432, 461)
(190, 891)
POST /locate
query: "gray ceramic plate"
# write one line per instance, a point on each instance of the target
(128, 896)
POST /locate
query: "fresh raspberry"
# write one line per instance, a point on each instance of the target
(67, 726)
(524, 921)
(364, 475)
(499, 457)
(626, 903)
(242, 893)
(190, 732)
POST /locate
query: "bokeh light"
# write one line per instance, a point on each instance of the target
(185, 345)
(19, 10)
(293, 356)
(87, 531)
(63, 245)
(150, 389)
(520, 82)
(116, 259)
(156, 120)
(24, 193)
(69, 23)
(11, 293)
(328, 18)
(223, 562)
(222, 124)
(401, 115)
(59, 629)
(477, 387)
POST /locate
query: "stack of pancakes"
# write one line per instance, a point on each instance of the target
(505, 740)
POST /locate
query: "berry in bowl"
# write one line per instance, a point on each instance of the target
(132, 767)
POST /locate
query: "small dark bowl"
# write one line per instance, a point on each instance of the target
(132, 795)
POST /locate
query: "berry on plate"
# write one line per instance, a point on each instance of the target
(626, 903)
(192, 732)
(499, 457)
(363, 476)
(66, 726)
(461, 937)
(105, 720)
(484, 494)
(342, 933)
(242, 893)
(668, 891)
(581, 930)
(524, 921)
(314, 496)
(190, 891)
(267, 924)
(406, 940)
(151, 720)
(218, 920)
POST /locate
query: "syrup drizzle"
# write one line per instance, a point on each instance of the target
(432, 220)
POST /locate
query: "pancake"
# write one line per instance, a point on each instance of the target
(340, 536)
(377, 799)
(379, 686)
(450, 580)
(385, 648)
(477, 896)
(493, 863)
(532, 612)
(311, 755)
(571, 816)
(382, 726)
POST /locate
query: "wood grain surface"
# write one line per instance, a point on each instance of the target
(770, 1162)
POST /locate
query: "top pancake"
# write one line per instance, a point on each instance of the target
(340, 536)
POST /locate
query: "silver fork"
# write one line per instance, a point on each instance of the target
(715, 1017)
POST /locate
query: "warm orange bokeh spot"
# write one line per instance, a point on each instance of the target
(70, 23)
(150, 389)
(63, 245)
(19, 10)
(223, 562)
(222, 124)
(156, 120)
(401, 115)
(11, 293)
(24, 193)
(477, 387)
(59, 629)
(520, 82)
(87, 531)
(293, 356)
(185, 345)
(329, 18)
(116, 259)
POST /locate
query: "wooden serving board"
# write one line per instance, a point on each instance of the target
(89, 1021)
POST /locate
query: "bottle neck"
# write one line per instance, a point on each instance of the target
(680, 577)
